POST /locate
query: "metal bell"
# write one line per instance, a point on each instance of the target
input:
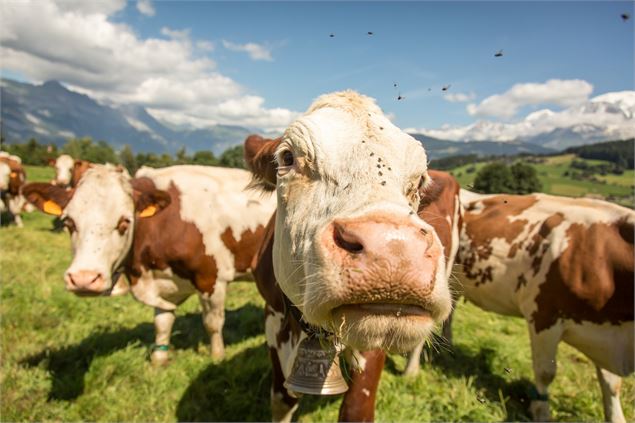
(316, 370)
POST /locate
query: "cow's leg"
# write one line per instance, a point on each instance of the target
(358, 404)
(544, 346)
(163, 322)
(283, 405)
(414, 361)
(611, 384)
(15, 207)
(214, 318)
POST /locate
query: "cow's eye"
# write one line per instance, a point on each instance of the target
(122, 225)
(70, 224)
(286, 158)
(285, 161)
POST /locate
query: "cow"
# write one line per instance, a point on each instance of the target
(173, 232)
(346, 255)
(12, 178)
(68, 171)
(566, 266)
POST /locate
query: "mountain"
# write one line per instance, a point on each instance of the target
(51, 113)
(437, 149)
(610, 116)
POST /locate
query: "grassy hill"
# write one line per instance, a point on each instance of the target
(552, 173)
(66, 358)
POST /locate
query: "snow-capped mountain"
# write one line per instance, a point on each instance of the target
(609, 116)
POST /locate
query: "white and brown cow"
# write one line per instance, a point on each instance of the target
(172, 231)
(68, 171)
(566, 266)
(349, 251)
(12, 178)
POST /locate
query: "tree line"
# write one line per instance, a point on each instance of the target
(36, 154)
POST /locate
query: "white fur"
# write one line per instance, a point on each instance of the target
(63, 169)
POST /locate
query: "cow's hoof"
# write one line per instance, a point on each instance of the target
(159, 358)
(540, 411)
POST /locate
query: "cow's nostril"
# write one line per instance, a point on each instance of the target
(346, 240)
(97, 276)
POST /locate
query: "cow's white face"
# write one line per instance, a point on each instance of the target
(63, 169)
(100, 218)
(350, 250)
(5, 176)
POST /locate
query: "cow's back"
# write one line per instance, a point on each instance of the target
(550, 259)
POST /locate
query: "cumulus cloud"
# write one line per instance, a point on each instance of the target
(459, 97)
(255, 51)
(609, 116)
(82, 47)
(565, 93)
(145, 7)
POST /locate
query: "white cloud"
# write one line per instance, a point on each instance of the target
(145, 7)
(558, 92)
(255, 51)
(609, 116)
(459, 97)
(205, 45)
(174, 78)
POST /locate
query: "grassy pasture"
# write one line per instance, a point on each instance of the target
(551, 174)
(66, 358)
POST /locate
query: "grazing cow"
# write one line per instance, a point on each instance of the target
(350, 256)
(12, 178)
(566, 266)
(68, 172)
(171, 231)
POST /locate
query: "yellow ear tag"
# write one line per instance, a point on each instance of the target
(148, 211)
(52, 207)
(14, 174)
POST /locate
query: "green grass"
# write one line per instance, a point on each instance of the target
(66, 358)
(39, 173)
(551, 175)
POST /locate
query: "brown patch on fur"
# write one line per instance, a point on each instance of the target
(17, 178)
(358, 404)
(165, 240)
(79, 168)
(522, 281)
(37, 193)
(259, 157)
(245, 247)
(492, 222)
(592, 280)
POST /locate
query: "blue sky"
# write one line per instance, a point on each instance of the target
(421, 46)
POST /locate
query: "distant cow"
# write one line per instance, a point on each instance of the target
(565, 265)
(351, 257)
(68, 171)
(171, 231)
(12, 178)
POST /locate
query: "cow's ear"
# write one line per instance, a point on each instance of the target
(46, 197)
(51, 162)
(148, 200)
(259, 155)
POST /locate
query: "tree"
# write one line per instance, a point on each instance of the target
(233, 157)
(127, 159)
(494, 178)
(525, 178)
(206, 158)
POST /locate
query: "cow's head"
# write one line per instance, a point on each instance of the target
(350, 251)
(100, 214)
(63, 169)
